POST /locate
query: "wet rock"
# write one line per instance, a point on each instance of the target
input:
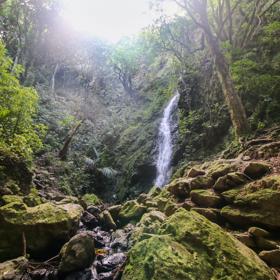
(111, 262)
(120, 240)
(102, 238)
(39, 274)
(257, 203)
(206, 198)
(13, 269)
(107, 221)
(193, 172)
(256, 170)
(230, 181)
(188, 246)
(131, 212)
(89, 220)
(258, 232)
(271, 257)
(78, 253)
(46, 226)
(246, 239)
(86, 274)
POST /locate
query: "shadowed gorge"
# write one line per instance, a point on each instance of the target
(139, 140)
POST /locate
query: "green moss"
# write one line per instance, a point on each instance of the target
(131, 212)
(188, 246)
(91, 199)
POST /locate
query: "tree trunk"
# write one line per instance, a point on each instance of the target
(64, 151)
(234, 103)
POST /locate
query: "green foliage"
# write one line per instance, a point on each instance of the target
(18, 105)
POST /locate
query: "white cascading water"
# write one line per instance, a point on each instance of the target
(165, 143)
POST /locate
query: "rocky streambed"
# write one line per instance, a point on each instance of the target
(217, 220)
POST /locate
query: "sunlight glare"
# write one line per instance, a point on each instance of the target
(108, 19)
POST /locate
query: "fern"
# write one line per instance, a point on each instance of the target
(108, 172)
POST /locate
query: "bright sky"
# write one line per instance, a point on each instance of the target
(110, 19)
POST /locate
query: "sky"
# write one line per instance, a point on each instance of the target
(110, 19)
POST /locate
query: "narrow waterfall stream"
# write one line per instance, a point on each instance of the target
(165, 143)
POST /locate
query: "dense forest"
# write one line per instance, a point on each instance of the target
(155, 156)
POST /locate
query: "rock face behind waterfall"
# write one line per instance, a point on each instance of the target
(165, 143)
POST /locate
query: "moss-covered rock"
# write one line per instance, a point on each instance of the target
(46, 226)
(201, 182)
(180, 187)
(230, 181)
(220, 168)
(149, 224)
(257, 203)
(256, 170)
(91, 199)
(188, 246)
(206, 198)
(131, 212)
(78, 253)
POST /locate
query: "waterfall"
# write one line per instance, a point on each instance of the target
(165, 143)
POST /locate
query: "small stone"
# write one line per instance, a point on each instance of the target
(188, 204)
(195, 172)
(78, 253)
(258, 232)
(246, 158)
(271, 257)
(256, 170)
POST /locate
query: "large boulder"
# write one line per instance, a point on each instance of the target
(45, 226)
(188, 247)
(78, 253)
(257, 203)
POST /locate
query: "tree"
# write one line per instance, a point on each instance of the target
(125, 58)
(18, 104)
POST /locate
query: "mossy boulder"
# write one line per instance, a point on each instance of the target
(229, 181)
(45, 226)
(78, 253)
(201, 182)
(149, 224)
(206, 198)
(257, 203)
(256, 170)
(188, 246)
(91, 199)
(180, 187)
(218, 169)
(131, 212)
